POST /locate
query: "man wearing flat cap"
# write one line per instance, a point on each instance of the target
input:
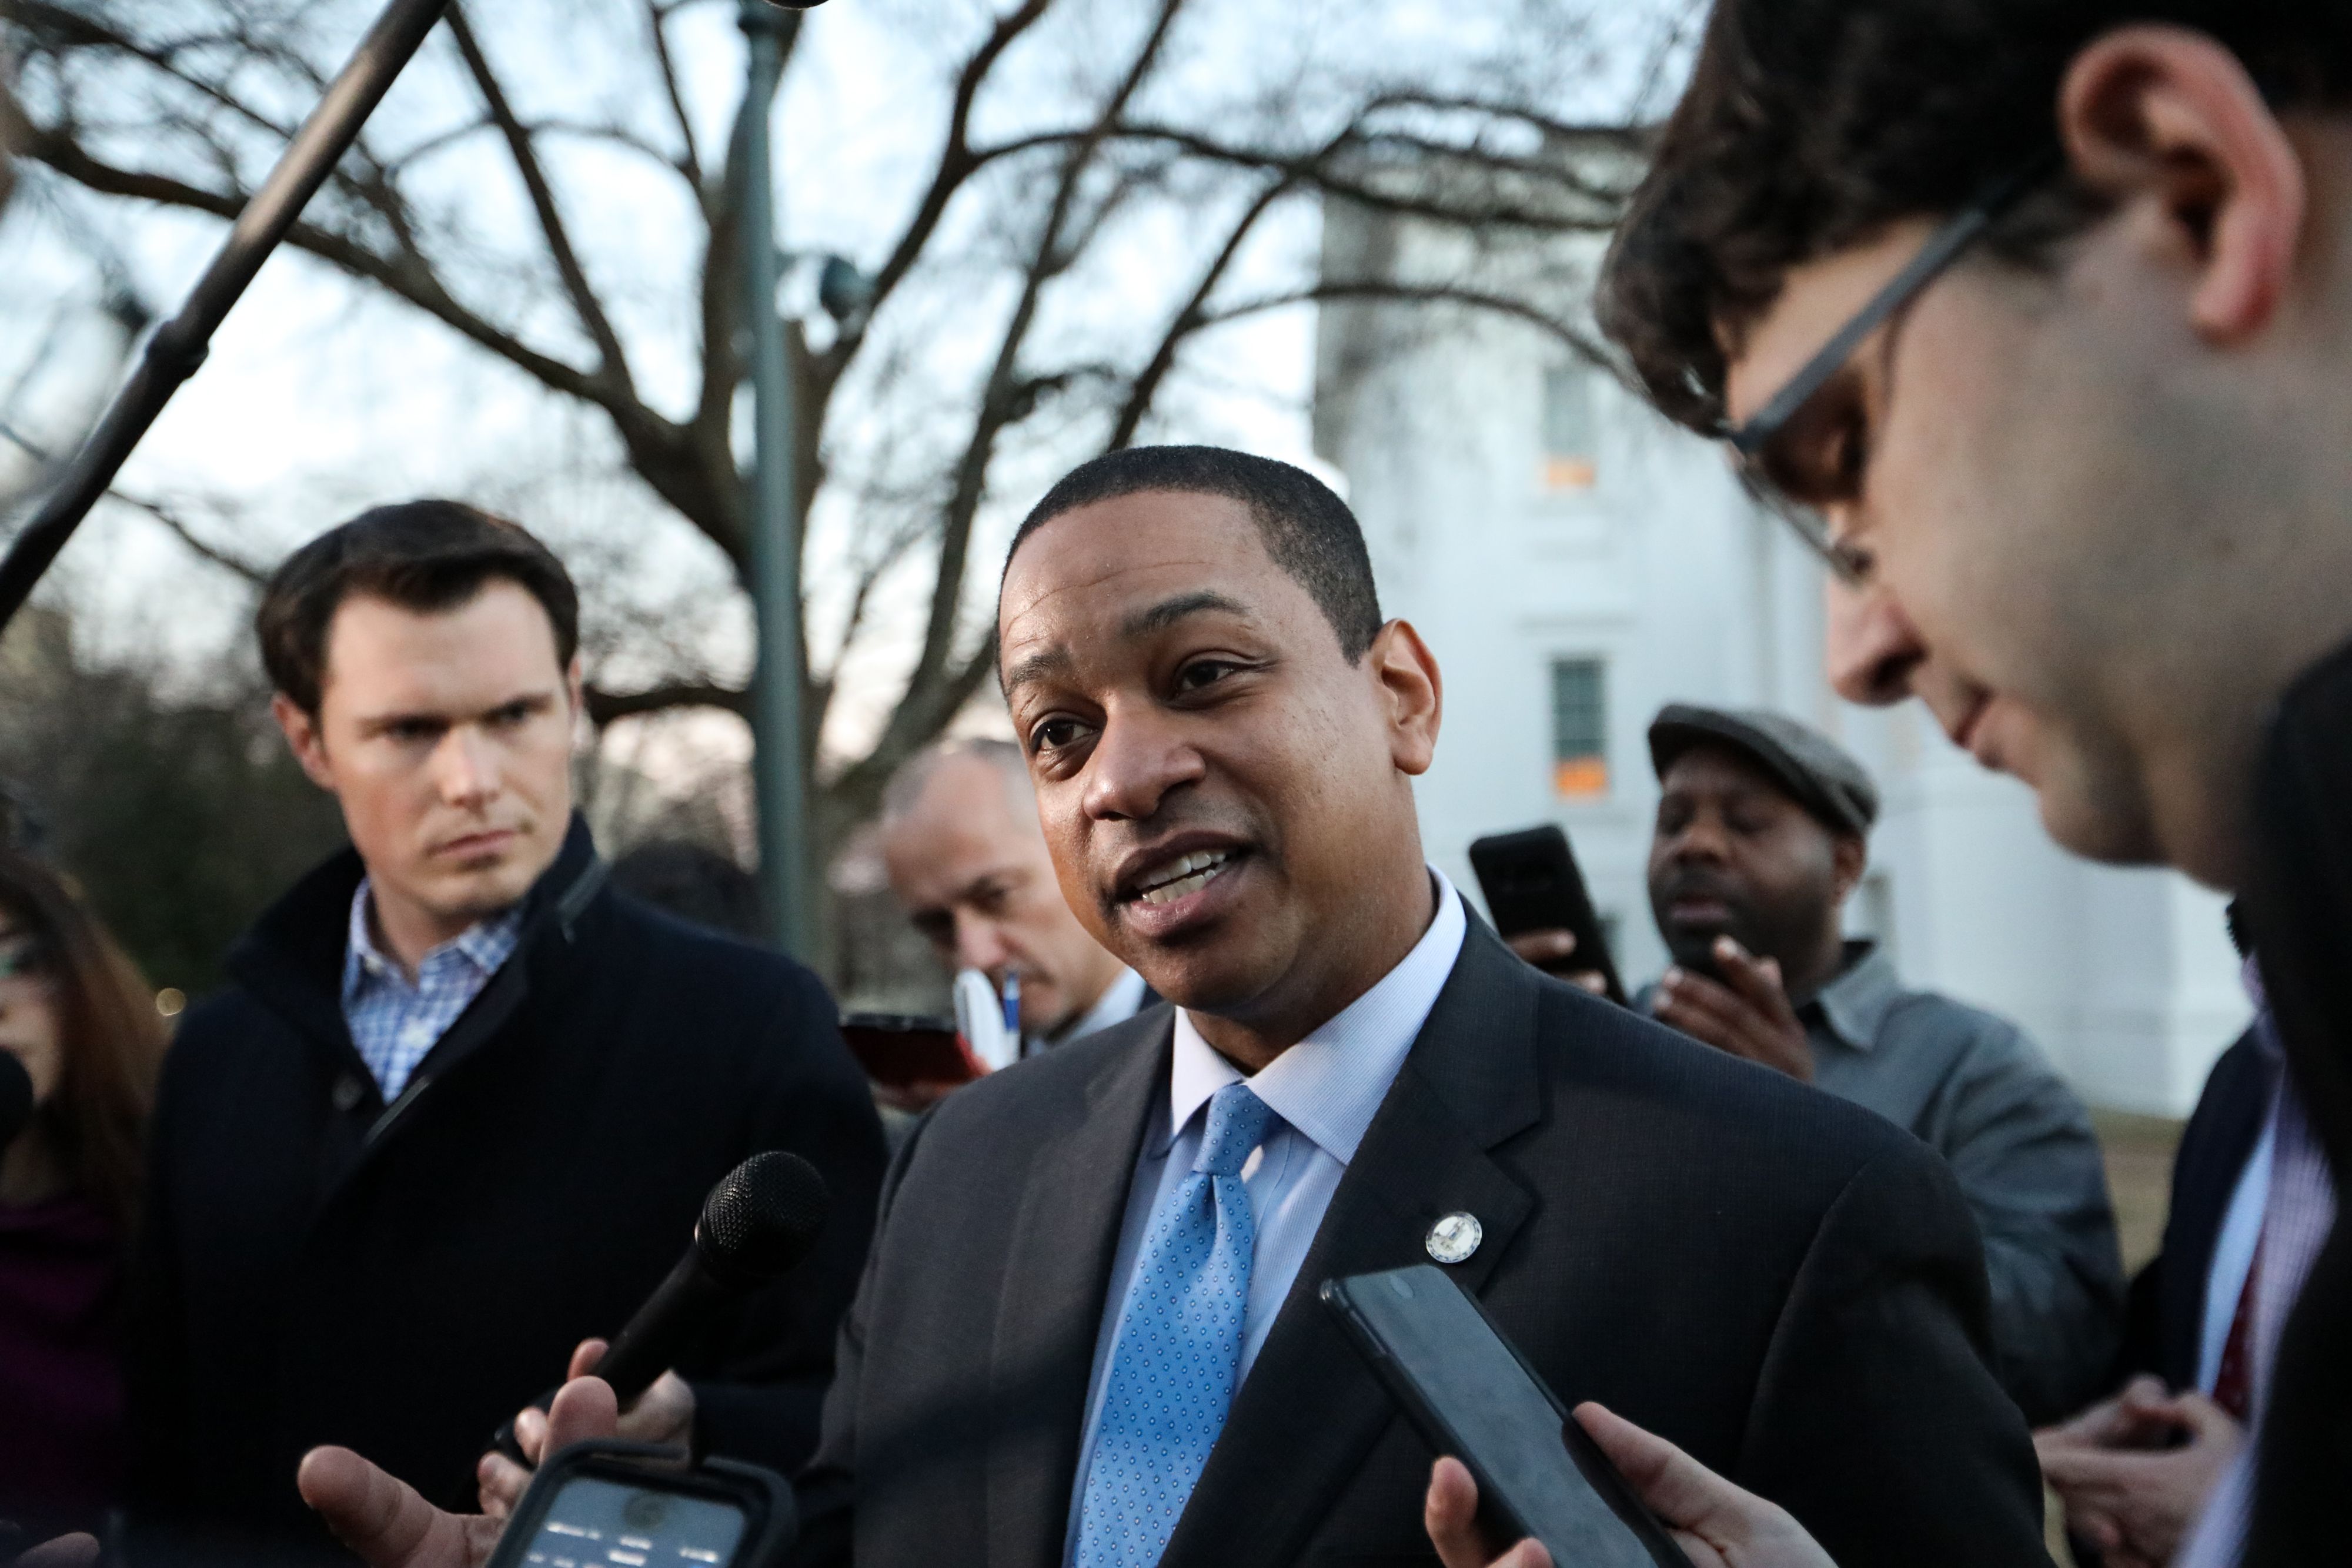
(1762, 833)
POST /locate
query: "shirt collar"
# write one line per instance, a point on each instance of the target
(1855, 1004)
(1330, 1085)
(485, 944)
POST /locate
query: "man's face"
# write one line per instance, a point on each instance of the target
(446, 739)
(1734, 856)
(968, 863)
(1225, 797)
(2081, 498)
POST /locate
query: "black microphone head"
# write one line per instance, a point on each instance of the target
(16, 1098)
(761, 1218)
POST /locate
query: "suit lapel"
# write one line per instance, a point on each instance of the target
(1057, 1271)
(1309, 1410)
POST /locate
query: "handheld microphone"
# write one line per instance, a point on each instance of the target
(758, 1222)
(15, 1098)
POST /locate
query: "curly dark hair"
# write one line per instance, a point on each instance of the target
(1808, 124)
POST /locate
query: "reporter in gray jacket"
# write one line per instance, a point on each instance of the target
(1761, 836)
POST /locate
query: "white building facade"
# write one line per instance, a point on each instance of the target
(1576, 563)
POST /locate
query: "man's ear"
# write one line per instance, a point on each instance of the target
(1412, 691)
(2164, 121)
(305, 739)
(575, 686)
(1849, 857)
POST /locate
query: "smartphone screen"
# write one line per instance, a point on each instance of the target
(1473, 1397)
(599, 1523)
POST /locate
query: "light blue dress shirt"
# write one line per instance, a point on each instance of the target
(2233, 1253)
(394, 1021)
(1323, 1091)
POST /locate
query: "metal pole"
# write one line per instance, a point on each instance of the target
(179, 345)
(776, 763)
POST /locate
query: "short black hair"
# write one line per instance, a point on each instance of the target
(425, 556)
(1308, 532)
(1808, 124)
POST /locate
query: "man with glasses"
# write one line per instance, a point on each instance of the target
(2033, 315)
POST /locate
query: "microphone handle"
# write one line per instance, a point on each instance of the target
(647, 1343)
(650, 1341)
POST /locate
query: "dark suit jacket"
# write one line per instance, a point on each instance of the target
(2164, 1321)
(2298, 907)
(1786, 1285)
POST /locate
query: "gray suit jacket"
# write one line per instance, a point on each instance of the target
(1787, 1286)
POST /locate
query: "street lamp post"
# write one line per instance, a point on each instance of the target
(777, 769)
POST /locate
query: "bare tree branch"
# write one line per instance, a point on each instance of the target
(689, 159)
(613, 362)
(956, 164)
(997, 402)
(604, 707)
(1403, 293)
(410, 282)
(1190, 318)
(253, 572)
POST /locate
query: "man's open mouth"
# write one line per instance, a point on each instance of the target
(1185, 875)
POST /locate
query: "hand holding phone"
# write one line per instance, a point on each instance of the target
(621, 1505)
(1473, 1397)
(1532, 885)
(1713, 1523)
(913, 1060)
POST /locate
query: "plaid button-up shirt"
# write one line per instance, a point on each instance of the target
(395, 1023)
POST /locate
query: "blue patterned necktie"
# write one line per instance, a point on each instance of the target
(1172, 1366)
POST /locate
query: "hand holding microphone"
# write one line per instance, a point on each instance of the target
(757, 1223)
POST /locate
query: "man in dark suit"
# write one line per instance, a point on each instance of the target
(1088, 1332)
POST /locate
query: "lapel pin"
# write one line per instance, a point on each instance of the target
(1452, 1239)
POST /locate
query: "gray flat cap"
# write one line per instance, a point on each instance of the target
(1817, 772)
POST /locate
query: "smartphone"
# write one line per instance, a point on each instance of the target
(1532, 884)
(1471, 1395)
(625, 1505)
(898, 1051)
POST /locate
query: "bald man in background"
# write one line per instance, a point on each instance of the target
(967, 859)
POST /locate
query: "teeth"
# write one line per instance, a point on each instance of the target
(1185, 875)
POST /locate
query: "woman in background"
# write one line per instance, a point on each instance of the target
(78, 1017)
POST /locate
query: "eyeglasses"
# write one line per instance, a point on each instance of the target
(1772, 471)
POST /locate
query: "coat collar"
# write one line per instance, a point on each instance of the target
(1855, 1004)
(292, 956)
(291, 962)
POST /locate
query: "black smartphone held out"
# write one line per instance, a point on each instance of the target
(1532, 884)
(630, 1505)
(1468, 1390)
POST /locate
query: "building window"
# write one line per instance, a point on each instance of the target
(1568, 429)
(1580, 729)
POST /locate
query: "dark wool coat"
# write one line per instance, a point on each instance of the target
(320, 1268)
